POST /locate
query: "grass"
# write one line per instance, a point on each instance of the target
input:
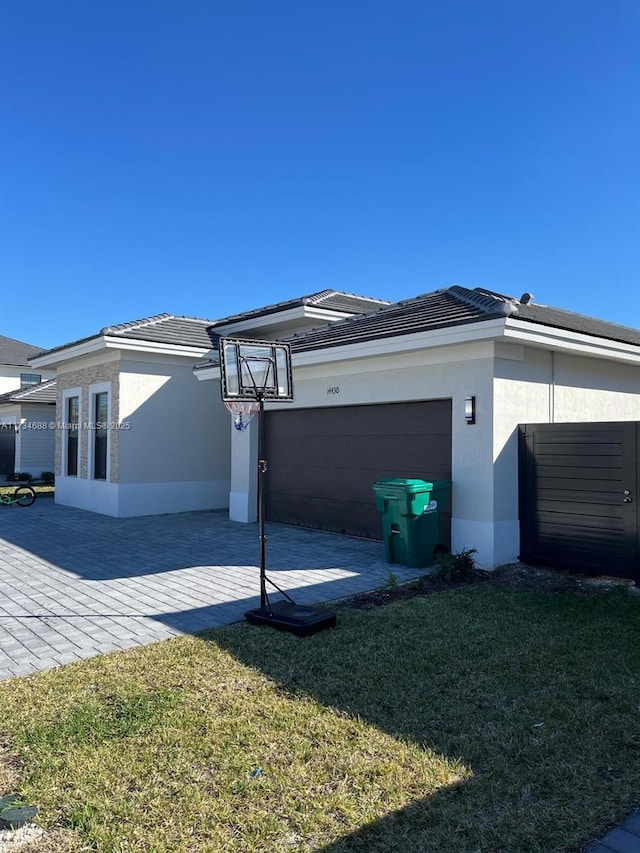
(39, 490)
(476, 719)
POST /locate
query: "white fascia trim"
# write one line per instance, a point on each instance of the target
(53, 359)
(203, 373)
(278, 318)
(109, 342)
(550, 337)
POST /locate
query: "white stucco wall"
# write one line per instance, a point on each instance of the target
(10, 376)
(172, 455)
(175, 454)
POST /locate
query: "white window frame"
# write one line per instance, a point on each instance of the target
(24, 385)
(66, 394)
(94, 390)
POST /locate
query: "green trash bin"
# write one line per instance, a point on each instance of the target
(410, 513)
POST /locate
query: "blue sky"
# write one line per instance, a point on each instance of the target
(207, 157)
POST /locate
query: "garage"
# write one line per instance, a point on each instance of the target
(578, 497)
(323, 462)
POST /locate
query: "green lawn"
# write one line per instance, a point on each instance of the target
(39, 488)
(476, 719)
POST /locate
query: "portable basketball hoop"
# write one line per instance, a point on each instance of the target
(251, 373)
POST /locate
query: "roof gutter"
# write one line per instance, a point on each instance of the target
(553, 338)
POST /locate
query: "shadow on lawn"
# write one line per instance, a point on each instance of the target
(507, 683)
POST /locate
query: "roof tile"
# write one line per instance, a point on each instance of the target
(16, 352)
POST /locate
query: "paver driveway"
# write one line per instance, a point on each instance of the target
(74, 584)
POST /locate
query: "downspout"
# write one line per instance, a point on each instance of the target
(552, 390)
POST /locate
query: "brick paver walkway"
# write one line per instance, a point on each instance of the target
(74, 584)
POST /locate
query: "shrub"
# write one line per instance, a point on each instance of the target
(18, 476)
(47, 477)
(453, 567)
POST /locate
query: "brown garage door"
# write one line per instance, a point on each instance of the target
(323, 462)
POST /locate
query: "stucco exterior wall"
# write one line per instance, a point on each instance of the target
(10, 376)
(175, 452)
(170, 451)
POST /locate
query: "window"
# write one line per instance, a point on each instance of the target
(29, 379)
(100, 435)
(73, 425)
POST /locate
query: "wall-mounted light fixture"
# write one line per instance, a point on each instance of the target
(470, 410)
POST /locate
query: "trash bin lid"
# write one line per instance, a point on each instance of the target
(403, 485)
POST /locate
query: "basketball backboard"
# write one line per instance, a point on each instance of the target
(254, 370)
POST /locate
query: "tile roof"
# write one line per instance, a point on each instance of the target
(16, 352)
(331, 300)
(168, 329)
(198, 332)
(453, 306)
(44, 392)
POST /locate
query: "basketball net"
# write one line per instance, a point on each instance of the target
(242, 411)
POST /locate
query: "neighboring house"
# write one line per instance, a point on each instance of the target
(388, 394)
(29, 416)
(166, 441)
(17, 374)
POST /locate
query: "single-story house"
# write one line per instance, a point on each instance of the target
(34, 449)
(165, 443)
(433, 387)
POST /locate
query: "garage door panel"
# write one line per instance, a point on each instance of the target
(388, 419)
(323, 462)
(352, 517)
(398, 453)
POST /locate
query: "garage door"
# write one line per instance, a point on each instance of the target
(578, 497)
(7, 448)
(323, 462)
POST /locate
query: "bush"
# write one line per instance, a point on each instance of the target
(19, 476)
(454, 567)
(47, 477)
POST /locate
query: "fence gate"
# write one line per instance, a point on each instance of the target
(579, 497)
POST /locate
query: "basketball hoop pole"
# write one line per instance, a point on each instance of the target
(262, 470)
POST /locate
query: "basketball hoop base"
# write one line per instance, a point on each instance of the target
(298, 619)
